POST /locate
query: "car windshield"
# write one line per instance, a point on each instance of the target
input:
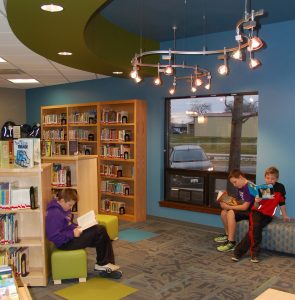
(189, 155)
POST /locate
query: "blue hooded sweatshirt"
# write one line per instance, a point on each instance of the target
(59, 228)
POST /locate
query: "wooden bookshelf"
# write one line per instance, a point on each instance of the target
(83, 178)
(88, 118)
(31, 223)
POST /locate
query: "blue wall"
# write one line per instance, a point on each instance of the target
(274, 81)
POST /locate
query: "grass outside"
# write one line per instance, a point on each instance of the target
(214, 144)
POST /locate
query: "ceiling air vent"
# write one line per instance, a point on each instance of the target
(10, 71)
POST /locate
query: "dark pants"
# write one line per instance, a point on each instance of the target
(253, 237)
(95, 237)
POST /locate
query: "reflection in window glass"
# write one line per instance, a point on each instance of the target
(214, 134)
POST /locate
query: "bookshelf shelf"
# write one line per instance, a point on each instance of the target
(117, 178)
(116, 142)
(117, 124)
(31, 222)
(131, 197)
(117, 159)
(19, 211)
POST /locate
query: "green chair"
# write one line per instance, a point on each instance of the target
(67, 264)
(110, 222)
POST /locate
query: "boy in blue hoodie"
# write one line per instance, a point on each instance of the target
(66, 235)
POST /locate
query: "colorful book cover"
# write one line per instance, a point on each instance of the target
(223, 196)
(263, 191)
(24, 153)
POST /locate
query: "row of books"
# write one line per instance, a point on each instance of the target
(54, 134)
(8, 229)
(111, 170)
(86, 117)
(115, 151)
(17, 259)
(111, 116)
(114, 187)
(61, 175)
(115, 135)
(13, 197)
(55, 119)
(80, 134)
(108, 205)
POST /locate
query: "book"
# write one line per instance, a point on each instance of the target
(87, 220)
(263, 191)
(24, 153)
(4, 154)
(223, 196)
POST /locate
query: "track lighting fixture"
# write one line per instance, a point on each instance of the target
(245, 38)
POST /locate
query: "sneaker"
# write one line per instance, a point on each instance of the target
(254, 259)
(221, 238)
(113, 275)
(229, 246)
(235, 259)
(108, 267)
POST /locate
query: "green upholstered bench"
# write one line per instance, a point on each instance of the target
(67, 264)
(277, 236)
(110, 222)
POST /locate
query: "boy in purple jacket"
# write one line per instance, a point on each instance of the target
(66, 235)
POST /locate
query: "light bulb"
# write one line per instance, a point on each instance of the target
(207, 86)
(157, 81)
(133, 73)
(255, 43)
(172, 91)
(223, 70)
(138, 79)
(198, 82)
(168, 71)
(237, 55)
(254, 63)
(193, 89)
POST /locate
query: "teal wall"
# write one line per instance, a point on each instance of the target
(274, 82)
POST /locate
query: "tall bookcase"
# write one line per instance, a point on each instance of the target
(116, 132)
(31, 222)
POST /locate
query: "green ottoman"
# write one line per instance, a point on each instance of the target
(67, 264)
(110, 222)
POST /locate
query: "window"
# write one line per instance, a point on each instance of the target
(205, 137)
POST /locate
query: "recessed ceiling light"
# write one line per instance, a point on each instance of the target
(117, 72)
(65, 53)
(22, 80)
(52, 7)
(2, 60)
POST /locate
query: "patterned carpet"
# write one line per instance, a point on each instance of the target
(181, 262)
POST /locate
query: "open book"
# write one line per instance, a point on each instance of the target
(263, 191)
(223, 196)
(87, 220)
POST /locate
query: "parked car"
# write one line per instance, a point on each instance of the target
(192, 157)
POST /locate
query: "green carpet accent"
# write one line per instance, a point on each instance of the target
(96, 288)
(98, 45)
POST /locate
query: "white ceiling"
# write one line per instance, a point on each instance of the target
(24, 63)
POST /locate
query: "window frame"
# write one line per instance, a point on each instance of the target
(207, 175)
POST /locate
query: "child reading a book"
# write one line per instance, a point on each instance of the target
(262, 214)
(231, 214)
(67, 235)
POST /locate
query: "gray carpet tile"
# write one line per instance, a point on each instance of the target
(182, 262)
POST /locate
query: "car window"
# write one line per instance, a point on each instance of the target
(189, 155)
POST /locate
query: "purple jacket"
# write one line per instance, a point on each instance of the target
(59, 229)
